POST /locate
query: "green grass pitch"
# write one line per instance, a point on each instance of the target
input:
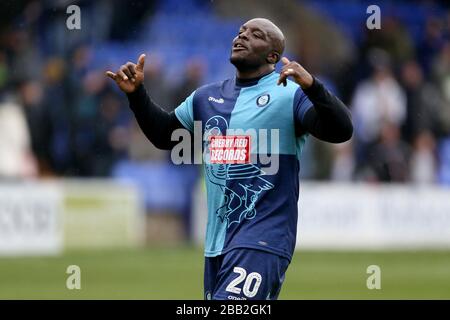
(177, 273)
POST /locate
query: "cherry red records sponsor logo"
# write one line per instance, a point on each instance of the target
(229, 149)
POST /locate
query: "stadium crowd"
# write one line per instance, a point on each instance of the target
(61, 117)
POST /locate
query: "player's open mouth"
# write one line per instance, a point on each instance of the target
(238, 47)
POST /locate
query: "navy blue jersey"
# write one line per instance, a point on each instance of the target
(247, 207)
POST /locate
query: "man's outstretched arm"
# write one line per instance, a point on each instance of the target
(156, 123)
(328, 119)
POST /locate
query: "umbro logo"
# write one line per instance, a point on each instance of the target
(216, 100)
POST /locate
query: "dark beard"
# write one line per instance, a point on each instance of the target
(243, 64)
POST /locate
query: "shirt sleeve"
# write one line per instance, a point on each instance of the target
(185, 112)
(329, 120)
(301, 105)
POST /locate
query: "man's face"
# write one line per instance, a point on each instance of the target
(252, 46)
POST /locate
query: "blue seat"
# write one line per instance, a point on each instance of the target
(162, 185)
(444, 160)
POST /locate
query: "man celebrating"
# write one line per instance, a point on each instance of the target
(252, 216)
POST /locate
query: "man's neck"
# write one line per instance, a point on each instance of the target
(255, 73)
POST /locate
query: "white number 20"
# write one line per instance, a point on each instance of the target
(250, 293)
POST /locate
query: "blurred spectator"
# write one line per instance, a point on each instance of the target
(84, 123)
(16, 159)
(343, 162)
(377, 100)
(24, 58)
(56, 116)
(193, 77)
(388, 159)
(31, 96)
(111, 134)
(139, 148)
(157, 84)
(441, 74)
(423, 159)
(423, 103)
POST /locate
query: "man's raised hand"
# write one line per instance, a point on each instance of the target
(297, 72)
(130, 75)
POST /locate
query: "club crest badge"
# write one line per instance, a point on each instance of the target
(263, 100)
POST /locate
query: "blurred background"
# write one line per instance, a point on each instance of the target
(80, 184)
